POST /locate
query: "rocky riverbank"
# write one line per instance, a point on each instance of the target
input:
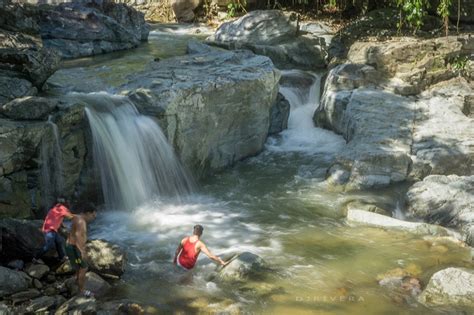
(27, 287)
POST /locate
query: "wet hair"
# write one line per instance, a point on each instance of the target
(61, 199)
(197, 229)
(87, 208)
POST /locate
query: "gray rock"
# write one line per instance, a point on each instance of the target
(78, 305)
(242, 267)
(37, 284)
(184, 9)
(80, 29)
(392, 138)
(20, 238)
(25, 295)
(37, 271)
(105, 258)
(411, 65)
(442, 134)
(279, 114)
(11, 282)
(24, 63)
(96, 284)
(29, 108)
(44, 303)
(377, 127)
(445, 200)
(214, 107)
(273, 34)
(19, 142)
(196, 47)
(262, 27)
(11, 88)
(382, 221)
(5, 310)
(450, 287)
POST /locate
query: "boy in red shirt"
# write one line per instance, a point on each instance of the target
(51, 226)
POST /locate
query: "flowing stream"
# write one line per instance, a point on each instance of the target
(276, 205)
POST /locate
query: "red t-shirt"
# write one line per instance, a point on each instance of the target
(55, 217)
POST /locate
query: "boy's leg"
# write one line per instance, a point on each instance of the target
(81, 279)
(49, 243)
(59, 242)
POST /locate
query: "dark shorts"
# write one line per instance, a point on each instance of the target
(75, 257)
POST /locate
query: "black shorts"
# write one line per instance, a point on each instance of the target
(75, 257)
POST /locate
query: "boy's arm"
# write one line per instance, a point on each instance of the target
(178, 250)
(206, 251)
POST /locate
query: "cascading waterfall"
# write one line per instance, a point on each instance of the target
(52, 180)
(302, 90)
(135, 161)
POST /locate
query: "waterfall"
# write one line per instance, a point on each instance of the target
(131, 153)
(52, 180)
(302, 90)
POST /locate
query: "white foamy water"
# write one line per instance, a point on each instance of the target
(135, 161)
(302, 90)
(52, 177)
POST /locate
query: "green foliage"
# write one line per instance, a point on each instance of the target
(413, 12)
(459, 64)
(235, 7)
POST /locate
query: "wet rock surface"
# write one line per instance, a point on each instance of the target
(242, 267)
(83, 29)
(214, 107)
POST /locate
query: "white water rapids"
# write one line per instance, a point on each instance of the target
(132, 154)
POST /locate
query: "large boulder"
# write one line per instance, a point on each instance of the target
(452, 287)
(243, 267)
(445, 200)
(20, 238)
(410, 66)
(29, 108)
(105, 258)
(184, 9)
(24, 63)
(273, 34)
(83, 29)
(214, 106)
(11, 281)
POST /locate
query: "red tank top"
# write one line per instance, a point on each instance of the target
(188, 256)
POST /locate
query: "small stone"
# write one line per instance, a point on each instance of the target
(37, 271)
(78, 305)
(25, 295)
(37, 284)
(41, 304)
(50, 291)
(51, 278)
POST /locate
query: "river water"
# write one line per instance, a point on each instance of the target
(276, 205)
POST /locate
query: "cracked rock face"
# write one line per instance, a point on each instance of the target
(392, 136)
(445, 200)
(214, 106)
